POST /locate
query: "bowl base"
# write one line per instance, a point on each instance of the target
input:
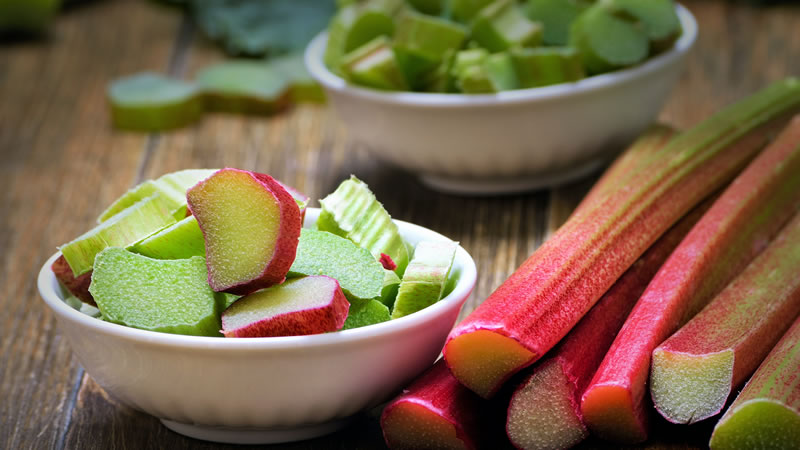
(511, 185)
(255, 435)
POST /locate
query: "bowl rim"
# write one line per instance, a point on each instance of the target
(47, 285)
(314, 64)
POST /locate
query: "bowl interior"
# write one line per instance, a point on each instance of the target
(316, 67)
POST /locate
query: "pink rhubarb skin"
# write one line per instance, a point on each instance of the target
(546, 296)
(434, 412)
(766, 414)
(556, 421)
(284, 252)
(77, 286)
(720, 347)
(737, 228)
(299, 197)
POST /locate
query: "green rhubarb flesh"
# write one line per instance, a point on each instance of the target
(352, 27)
(151, 102)
(244, 86)
(322, 253)
(547, 65)
(465, 10)
(556, 16)
(422, 42)
(583, 259)
(657, 18)
(391, 283)
(134, 223)
(374, 65)
(302, 87)
(180, 240)
(425, 278)
(172, 187)
(502, 25)
(166, 296)
(766, 414)
(696, 369)
(607, 42)
(353, 212)
(366, 313)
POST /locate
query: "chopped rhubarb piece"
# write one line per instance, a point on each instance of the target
(544, 411)
(502, 25)
(735, 230)
(434, 412)
(77, 286)
(766, 414)
(541, 301)
(250, 226)
(354, 26)
(425, 278)
(697, 368)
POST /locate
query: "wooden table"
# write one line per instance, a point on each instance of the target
(62, 164)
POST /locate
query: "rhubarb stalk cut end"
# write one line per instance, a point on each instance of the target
(483, 360)
(688, 388)
(758, 423)
(409, 425)
(545, 413)
(607, 410)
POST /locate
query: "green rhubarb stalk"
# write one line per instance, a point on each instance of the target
(546, 65)
(502, 25)
(747, 216)
(540, 302)
(422, 42)
(695, 370)
(766, 414)
(152, 102)
(354, 26)
(374, 65)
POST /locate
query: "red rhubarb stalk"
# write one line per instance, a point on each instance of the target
(544, 411)
(766, 414)
(544, 298)
(694, 371)
(434, 412)
(738, 227)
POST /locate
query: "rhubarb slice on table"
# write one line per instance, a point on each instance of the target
(353, 212)
(766, 414)
(308, 305)
(321, 253)
(250, 227)
(541, 301)
(695, 370)
(425, 278)
(244, 86)
(134, 223)
(151, 102)
(735, 230)
(544, 411)
(434, 412)
(170, 296)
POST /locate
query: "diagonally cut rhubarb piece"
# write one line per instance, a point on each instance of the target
(375, 65)
(434, 412)
(735, 230)
(140, 220)
(502, 25)
(766, 414)
(697, 368)
(250, 226)
(425, 278)
(180, 240)
(544, 411)
(544, 298)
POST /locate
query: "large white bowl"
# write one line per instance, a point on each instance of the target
(261, 390)
(509, 141)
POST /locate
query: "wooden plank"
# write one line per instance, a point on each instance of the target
(61, 165)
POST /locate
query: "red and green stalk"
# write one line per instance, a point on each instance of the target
(735, 230)
(544, 298)
(766, 414)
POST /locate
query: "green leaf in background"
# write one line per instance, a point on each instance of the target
(259, 27)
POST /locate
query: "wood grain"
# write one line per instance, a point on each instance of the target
(61, 165)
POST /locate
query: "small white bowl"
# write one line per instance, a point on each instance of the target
(261, 390)
(513, 140)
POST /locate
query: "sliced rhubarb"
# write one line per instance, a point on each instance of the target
(308, 305)
(607, 42)
(540, 302)
(425, 278)
(738, 227)
(180, 240)
(502, 25)
(697, 368)
(250, 228)
(766, 414)
(77, 286)
(544, 411)
(244, 86)
(352, 27)
(375, 65)
(556, 16)
(152, 102)
(434, 412)
(421, 43)
(547, 65)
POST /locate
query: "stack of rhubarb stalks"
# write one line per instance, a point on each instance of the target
(673, 283)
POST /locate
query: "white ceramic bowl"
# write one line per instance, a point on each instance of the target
(509, 141)
(261, 390)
